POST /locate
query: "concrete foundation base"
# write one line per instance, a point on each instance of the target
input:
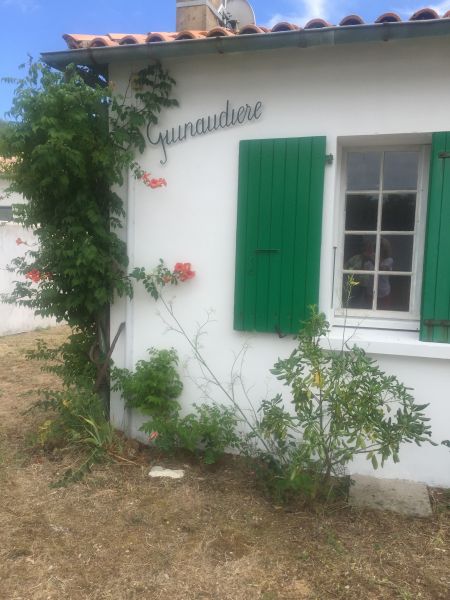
(397, 495)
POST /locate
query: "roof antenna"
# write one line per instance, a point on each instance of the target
(236, 13)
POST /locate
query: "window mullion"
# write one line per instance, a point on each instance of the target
(377, 246)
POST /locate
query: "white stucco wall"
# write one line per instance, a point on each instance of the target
(382, 89)
(14, 319)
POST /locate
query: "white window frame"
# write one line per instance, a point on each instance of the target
(407, 321)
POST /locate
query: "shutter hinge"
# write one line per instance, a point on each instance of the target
(444, 155)
(436, 323)
(278, 330)
(329, 159)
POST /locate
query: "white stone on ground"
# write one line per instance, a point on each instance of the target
(397, 495)
(162, 472)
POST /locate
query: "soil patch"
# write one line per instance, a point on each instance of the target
(210, 536)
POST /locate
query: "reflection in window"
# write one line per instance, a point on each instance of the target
(380, 221)
(363, 170)
(6, 213)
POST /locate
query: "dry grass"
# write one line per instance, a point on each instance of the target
(211, 536)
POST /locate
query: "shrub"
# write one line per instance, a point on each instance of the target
(343, 405)
(154, 385)
(77, 421)
(210, 430)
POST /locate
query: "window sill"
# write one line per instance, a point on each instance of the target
(389, 343)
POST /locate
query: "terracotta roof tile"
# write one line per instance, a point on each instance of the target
(101, 41)
(388, 17)
(190, 35)
(132, 38)
(250, 29)
(317, 24)
(160, 36)
(219, 32)
(76, 41)
(351, 20)
(285, 26)
(424, 14)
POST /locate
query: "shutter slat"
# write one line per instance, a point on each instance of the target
(443, 262)
(264, 244)
(241, 229)
(276, 234)
(301, 256)
(436, 276)
(253, 189)
(318, 152)
(288, 246)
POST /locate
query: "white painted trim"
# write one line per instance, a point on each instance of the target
(387, 343)
(374, 323)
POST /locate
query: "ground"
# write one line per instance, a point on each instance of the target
(211, 536)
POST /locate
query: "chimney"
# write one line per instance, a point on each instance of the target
(198, 15)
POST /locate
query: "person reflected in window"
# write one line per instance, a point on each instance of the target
(384, 284)
(361, 295)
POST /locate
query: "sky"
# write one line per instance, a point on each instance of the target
(29, 27)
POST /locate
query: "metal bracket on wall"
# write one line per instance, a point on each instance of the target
(278, 331)
(329, 159)
(437, 322)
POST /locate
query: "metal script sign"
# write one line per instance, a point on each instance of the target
(229, 117)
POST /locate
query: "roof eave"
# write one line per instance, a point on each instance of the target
(303, 38)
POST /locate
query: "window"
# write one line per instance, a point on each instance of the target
(6, 213)
(380, 255)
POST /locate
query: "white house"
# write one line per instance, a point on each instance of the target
(306, 155)
(14, 319)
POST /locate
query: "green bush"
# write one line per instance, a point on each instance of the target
(342, 405)
(70, 360)
(210, 430)
(77, 421)
(153, 388)
(154, 385)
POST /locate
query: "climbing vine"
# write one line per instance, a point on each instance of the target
(72, 142)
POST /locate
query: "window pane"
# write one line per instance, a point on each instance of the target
(393, 292)
(400, 170)
(396, 252)
(361, 212)
(359, 252)
(363, 170)
(357, 292)
(399, 211)
(6, 213)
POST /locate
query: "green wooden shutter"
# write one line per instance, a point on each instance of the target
(279, 229)
(435, 318)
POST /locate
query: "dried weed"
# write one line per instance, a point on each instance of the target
(211, 536)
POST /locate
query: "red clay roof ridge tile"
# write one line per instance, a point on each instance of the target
(81, 40)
